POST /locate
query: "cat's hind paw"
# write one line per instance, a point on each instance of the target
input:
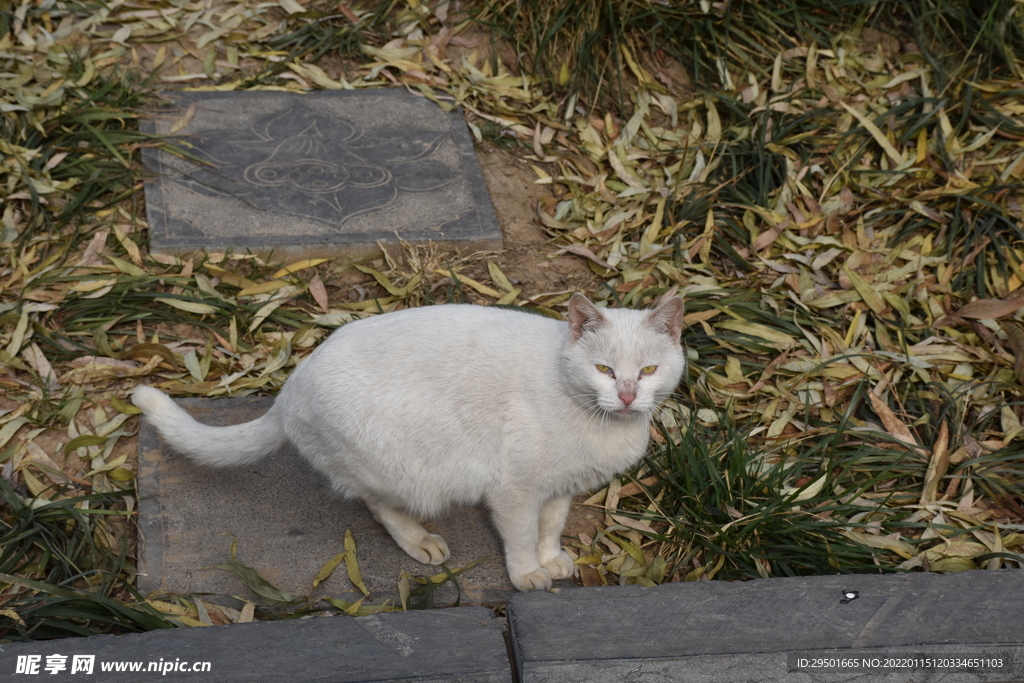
(560, 567)
(431, 549)
(537, 580)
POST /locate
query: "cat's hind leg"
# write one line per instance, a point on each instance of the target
(417, 542)
(517, 523)
(553, 514)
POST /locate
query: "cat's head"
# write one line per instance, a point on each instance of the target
(622, 362)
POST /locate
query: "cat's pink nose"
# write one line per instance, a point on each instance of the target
(627, 399)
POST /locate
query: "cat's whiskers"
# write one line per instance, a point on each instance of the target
(595, 413)
(592, 408)
(591, 405)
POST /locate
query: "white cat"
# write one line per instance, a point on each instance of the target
(418, 410)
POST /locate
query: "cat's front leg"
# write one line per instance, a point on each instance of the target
(549, 548)
(517, 518)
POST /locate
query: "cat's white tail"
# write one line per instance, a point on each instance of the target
(215, 446)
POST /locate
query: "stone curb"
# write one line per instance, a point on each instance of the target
(463, 644)
(791, 629)
(757, 630)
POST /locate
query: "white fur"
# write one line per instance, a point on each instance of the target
(415, 411)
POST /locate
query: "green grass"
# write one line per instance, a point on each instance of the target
(319, 33)
(65, 571)
(87, 145)
(728, 503)
(579, 45)
(735, 506)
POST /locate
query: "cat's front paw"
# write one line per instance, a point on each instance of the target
(431, 549)
(560, 567)
(537, 580)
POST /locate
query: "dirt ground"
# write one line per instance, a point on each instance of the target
(528, 257)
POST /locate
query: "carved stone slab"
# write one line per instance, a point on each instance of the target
(322, 174)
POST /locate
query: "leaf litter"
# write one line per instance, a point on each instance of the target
(842, 213)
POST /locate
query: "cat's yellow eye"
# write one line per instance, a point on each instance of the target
(603, 368)
(649, 370)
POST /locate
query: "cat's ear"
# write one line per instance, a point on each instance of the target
(670, 294)
(667, 317)
(583, 316)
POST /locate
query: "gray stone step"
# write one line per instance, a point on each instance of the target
(287, 522)
(758, 630)
(765, 630)
(322, 174)
(463, 644)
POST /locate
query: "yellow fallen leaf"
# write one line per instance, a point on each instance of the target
(867, 293)
(637, 524)
(297, 266)
(373, 305)
(876, 133)
(813, 489)
(183, 120)
(757, 330)
(190, 306)
(352, 564)
(11, 614)
(890, 421)
(585, 252)
(1011, 424)
(328, 568)
(121, 474)
(316, 75)
(953, 564)
(982, 309)
(622, 171)
(113, 464)
(463, 279)
(226, 277)
(959, 549)
(498, 277)
(631, 548)
(901, 548)
(263, 288)
(36, 487)
(319, 294)
(509, 298)
(95, 372)
(176, 612)
(937, 466)
(92, 285)
(291, 6)
(247, 613)
(384, 282)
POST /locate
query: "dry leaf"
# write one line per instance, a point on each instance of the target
(319, 293)
(984, 309)
(890, 421)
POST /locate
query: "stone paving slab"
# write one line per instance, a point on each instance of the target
(321, 174)
(757, 630)
(287, 522)
(463, 644)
